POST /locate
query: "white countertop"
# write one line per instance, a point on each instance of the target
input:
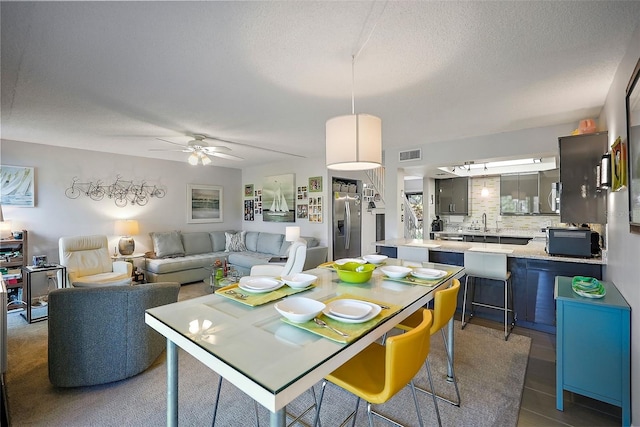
(535, 249)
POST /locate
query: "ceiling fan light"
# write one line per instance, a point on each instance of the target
(354, 142)
(205, 159)
(193, 159)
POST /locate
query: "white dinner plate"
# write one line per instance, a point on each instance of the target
(428, 273)
(351, 309)
(346, 260)
(375, 310)
(260, 284)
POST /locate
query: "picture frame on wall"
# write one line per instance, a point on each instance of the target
(619, 165)
(278, 193)
(248, 210)
(315, 184)
(248, 190)
(632, 100)
(18, 186)
(204, 203)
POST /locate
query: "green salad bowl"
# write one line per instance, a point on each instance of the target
(354, 272)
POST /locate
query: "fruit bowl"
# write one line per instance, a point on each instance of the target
(353, 272)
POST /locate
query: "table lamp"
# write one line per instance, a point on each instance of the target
(5, 226)
(292, 234)
(126, 228)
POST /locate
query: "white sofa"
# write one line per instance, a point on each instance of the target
(187, 257)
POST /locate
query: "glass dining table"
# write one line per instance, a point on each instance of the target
(269, 359)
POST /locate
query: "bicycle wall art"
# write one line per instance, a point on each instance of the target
(122, 192)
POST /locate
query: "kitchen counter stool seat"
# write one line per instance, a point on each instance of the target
(491, 266)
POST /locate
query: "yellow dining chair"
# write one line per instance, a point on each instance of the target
(378, 372)
(444, 307)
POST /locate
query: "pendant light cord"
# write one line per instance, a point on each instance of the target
(355, 55)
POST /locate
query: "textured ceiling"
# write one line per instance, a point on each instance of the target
(114, 76)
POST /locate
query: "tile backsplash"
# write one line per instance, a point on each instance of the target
(490, 205)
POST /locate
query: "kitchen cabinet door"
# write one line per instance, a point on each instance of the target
(519, 194)
(452, 196)
(580, 200)
(546, 180)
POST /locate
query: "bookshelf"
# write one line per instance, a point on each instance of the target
(13, 256)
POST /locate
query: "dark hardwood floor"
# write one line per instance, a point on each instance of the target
(538, 406)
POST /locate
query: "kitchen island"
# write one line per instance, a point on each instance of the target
(533, 273)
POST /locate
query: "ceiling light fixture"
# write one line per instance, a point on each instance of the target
(198, 156)
(354, 141)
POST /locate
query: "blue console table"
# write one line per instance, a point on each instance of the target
(593, 346)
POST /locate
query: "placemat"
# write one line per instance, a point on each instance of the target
(354, 330)
(233, 292)
(328, 265)
(410, 280)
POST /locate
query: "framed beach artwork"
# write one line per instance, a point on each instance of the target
(204, 203)
(279, 198)
(17, 186)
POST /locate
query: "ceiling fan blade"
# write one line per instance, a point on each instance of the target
(225, 156)
(184, 150)
(171, 142)
(216, 149)
(252, 146)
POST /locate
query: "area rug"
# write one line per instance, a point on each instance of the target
(490, 373)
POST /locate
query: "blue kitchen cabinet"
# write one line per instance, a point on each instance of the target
(593, 345)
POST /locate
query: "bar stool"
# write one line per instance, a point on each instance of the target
(491, 266)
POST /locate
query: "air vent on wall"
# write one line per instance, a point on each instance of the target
(406, 156)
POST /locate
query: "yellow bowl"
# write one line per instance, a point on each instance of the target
(354, 272)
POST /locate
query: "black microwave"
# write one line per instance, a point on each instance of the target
(578, 242)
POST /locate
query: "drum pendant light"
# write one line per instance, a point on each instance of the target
(354, 142)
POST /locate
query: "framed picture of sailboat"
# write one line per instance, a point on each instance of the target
(17, 186)
(279, 198)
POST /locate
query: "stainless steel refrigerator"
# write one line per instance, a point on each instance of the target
(347, 225)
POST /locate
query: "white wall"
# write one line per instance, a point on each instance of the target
(55, 215)
(623, 268)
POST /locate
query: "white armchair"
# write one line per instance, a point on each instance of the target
(89, 264)
(294, 265)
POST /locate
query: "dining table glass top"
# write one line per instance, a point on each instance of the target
(259, 345)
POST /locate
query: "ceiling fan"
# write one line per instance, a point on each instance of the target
(201, 150)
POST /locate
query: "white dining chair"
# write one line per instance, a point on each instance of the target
(489, 266)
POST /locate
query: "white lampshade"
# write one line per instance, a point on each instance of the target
(193, 159)
(354, 142)
(292, 234)
(127, 227)
(205, 159)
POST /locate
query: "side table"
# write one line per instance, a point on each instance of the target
(37, 281)
(593, 346)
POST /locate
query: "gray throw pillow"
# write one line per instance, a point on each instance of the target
(167, 244)
(235, 242)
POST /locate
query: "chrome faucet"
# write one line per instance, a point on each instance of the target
(484, 222)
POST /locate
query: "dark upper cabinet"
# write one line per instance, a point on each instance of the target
(580, 200)
(452, 196)
(527, 193)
